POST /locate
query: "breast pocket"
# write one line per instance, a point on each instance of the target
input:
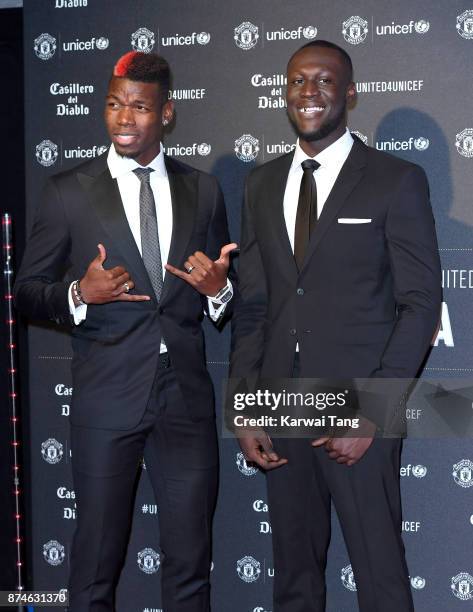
(354, 221)
(354, 228)
(355, 231)
(355, 244)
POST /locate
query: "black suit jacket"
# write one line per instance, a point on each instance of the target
(115, 350)
(367, 300)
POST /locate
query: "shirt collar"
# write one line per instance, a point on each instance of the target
(333, 156)
(120, 166)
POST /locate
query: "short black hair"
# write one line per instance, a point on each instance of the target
(328, 45)
(144, 68)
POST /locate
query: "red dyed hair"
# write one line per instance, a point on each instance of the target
(145, 68)
(122, 66)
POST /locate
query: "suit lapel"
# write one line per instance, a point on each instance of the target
(184, 191)
(350, 175)
(275, 187)
(104, 196)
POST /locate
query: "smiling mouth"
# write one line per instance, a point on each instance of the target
(310, 110)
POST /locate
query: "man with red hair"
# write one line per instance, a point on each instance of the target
(141, 386)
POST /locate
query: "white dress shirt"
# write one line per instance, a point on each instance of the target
(121, 169)
(331, 161)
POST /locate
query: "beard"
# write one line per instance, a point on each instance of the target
(325, 130)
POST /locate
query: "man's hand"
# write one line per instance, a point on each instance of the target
(258, 448)
(348, 450)
(100, 286)
(345, 450)
(206, 276)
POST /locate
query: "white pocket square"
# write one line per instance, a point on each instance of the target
(354, 221)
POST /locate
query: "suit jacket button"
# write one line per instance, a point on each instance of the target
(300, 291)
(293, 332)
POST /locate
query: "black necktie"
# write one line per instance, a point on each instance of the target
(150, 251)
(306, 217)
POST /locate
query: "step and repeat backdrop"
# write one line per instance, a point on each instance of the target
(413, 71)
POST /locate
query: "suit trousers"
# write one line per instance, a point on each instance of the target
(181, 458)
(367, 500)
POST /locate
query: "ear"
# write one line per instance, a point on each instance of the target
(351, 92)
(351, 95)
(167, 112)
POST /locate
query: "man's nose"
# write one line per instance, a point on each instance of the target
(310, 89)
(125, 116)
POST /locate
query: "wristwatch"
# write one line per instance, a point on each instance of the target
(76, 292)
(224, 295)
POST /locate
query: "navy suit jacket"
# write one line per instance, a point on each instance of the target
(116, 348)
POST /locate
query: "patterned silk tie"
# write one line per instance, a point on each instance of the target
(306, 217)
(150, 251)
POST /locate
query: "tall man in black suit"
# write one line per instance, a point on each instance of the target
(339, 277)
(139, 373)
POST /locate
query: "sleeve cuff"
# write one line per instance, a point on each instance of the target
(215, 307)
(78, 313)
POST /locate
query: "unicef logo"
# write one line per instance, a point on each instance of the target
(422, 26)
(248, 569)
(417, 583)
(143, 40)
(46, 153)
(355, 30)
(102, 43)
(148, 561)
(45, 46)
(464, 142)
(247, 148)
(361, 136)
(309, 32)
(53, 552)
(348, 578)
(203, 38)
(421, 143)
(463, 473)
(246, 35)
(204, 149)
(465, 24)
(419, 471)
(244, 468)
(462, 586)
(52, 451)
